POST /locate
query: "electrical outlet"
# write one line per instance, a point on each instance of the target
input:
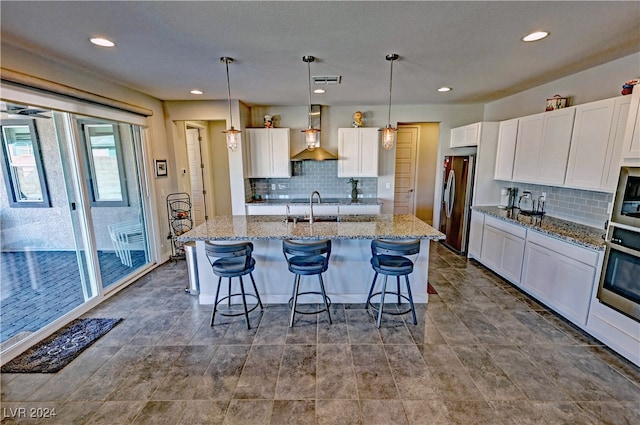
(609, 207)
(388, 186)
(273, 186)
(543, 197)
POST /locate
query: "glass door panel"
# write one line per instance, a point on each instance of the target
(44, 269)
(112, 173)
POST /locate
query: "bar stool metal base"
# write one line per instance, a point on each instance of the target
(380, 307)
(230, 312)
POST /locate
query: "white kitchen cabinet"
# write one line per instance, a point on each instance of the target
(268, 152)
(318, 209)
(468, 135)
(503, 248)
(542, 147)
(596, 144)
(631, 146)
(559, 274)
(360, 209)
(476, 230)
(266, 209)
(358, 151)
(505, 154)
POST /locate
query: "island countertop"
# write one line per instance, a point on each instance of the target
(258, 227)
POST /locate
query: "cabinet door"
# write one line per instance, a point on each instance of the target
(506, 150)
(280, 152)
(360, 209)
(616, 141)
(369, 150)
(503, 253)
(259, 152)
(559, 281)
(631, 146)
(467, 135)
(556, 140)
(528, 145)
(348, 152)
(476, 228)
(590, 144)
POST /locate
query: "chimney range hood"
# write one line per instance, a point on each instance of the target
(318, 154)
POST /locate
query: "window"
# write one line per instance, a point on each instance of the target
(22, 166)
(103, 154)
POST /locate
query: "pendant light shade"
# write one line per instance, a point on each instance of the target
(388, 132)
(233, 135)
(311, 135)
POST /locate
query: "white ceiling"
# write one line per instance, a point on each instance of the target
(165, 49)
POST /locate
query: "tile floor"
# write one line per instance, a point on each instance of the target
(482, 353)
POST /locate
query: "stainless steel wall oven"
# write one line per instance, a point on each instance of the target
(620, 280)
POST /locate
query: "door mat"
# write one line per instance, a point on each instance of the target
(431, 290)
(58, 350)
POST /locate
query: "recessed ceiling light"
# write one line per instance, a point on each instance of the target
(102, 42)
(535, 36)
(319, 91)
(444, 89)
(196, 92)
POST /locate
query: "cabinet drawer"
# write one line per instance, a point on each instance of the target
(360, 209)
(266, 209)
(317, 209)
(512, 229)
(584, 255)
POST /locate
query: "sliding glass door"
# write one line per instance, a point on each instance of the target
(72, 214)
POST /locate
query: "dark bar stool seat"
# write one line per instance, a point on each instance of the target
(233, 260)
(305, 259)
(389, 258)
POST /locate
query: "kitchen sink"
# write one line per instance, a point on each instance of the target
(315, 201)
(318, 219)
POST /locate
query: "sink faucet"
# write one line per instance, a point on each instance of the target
(315, 192)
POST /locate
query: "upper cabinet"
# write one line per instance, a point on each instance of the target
(542, 147)
(268, 152)
(631, 145)
(468, 135)
(596, 144)
(505, 153)
(358, 150)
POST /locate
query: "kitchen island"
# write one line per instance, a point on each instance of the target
(350, 273)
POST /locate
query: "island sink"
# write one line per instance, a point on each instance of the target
(316, 219)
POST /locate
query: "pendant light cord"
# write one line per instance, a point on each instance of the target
(309, 83)
(226, 61)
(390, 82)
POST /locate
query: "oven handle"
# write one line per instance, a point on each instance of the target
(622, 248)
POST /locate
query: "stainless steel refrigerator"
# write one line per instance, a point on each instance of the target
(455, 214)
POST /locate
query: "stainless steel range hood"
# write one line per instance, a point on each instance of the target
(318, 154)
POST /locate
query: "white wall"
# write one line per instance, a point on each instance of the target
(601, 82)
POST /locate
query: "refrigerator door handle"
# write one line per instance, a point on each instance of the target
(451, 187)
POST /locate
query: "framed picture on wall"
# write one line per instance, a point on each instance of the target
(161, 167)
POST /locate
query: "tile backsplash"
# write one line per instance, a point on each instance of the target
(580, 206)
(308, 176)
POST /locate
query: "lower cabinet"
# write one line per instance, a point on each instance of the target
(263, 209)
(560, 275)
(476, 230)
(503, 248)
(360, 209)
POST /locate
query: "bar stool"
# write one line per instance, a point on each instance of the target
(389, 258)
(233, 260)
(305, 259)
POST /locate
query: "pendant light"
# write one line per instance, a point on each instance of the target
(233, 135)
(311, 134)
(389, 133)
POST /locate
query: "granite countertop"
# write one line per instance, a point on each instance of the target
(589, 237)
(254, 227)
(325, 201)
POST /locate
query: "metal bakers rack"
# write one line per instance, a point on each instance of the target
(180, 221)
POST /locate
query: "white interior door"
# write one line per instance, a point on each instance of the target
(406, 153)
(195, 176)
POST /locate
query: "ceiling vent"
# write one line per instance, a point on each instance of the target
(327, 79)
